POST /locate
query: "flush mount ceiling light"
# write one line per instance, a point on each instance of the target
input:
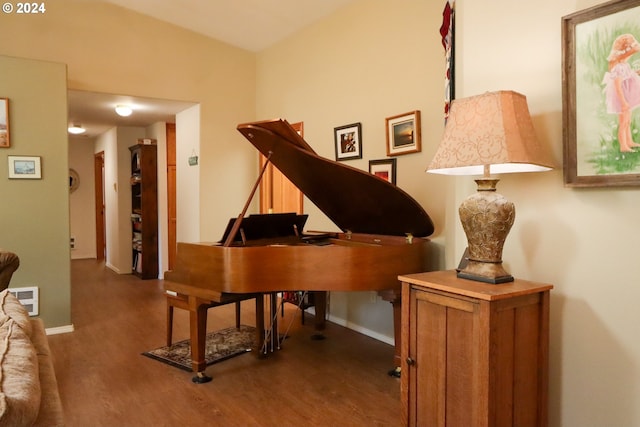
(123, 110)
(76, 129)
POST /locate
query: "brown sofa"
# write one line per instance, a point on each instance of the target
(28, 387)
(9, 262)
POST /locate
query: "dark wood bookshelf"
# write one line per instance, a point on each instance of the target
(144, 209)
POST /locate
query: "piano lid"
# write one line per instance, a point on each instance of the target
(353, 199)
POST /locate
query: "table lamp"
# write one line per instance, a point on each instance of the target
(484, 134)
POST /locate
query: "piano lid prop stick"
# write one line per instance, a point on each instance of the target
(238, 222)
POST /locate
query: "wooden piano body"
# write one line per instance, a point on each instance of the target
(384, 235)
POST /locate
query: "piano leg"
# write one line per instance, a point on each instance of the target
(260, 331)
(320, 302)
(274, 336)
(395, 298)
(198, 331)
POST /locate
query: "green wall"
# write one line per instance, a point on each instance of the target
(34, 214)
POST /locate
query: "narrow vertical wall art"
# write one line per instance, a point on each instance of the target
(5, 140)
(448, 36)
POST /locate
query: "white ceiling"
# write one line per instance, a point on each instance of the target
(96, 111)
(248, 24)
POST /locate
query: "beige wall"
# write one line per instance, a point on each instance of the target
(82, 215)
(34, 214)
(372, 60)
(187, 180)
(348, 68)
(352, 67)
(112, 50)
(583, 241)
(109, 49)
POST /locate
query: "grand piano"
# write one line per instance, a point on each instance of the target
(384, 234)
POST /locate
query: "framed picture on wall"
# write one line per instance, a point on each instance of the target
(348, 141)
(24, 167)
(5, 140)
(601, 95)
(403, 134)
(384, 168)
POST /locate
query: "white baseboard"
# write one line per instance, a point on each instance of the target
(60, 330)
(82, 256)
(112, 267)
(368, 332)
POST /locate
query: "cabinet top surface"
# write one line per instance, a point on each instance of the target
(447, 281)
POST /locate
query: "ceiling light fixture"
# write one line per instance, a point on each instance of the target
(123, 110)
(76, 129)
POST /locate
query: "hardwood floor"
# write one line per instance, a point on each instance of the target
(104, 380)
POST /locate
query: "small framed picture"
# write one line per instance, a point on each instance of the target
(5, 141)
(403, 134)
(385, 169)
(24, 167)
(348, 140)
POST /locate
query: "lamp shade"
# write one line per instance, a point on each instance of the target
(493, 129)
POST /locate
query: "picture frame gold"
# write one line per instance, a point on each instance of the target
(403, 133)
(601, 143)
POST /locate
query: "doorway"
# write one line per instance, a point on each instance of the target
(95, 111)
(277, 193)
(171, 195)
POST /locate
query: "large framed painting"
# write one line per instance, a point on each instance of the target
(601, 95)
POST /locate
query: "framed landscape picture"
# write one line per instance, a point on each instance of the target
(403, 133)
(24, 167)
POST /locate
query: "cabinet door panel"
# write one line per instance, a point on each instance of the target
(431, 363)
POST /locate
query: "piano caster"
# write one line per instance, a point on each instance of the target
(201, 378)
(317, 337)
(395, 372)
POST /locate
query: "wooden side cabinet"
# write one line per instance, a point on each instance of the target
(144, 210)
(474, 354)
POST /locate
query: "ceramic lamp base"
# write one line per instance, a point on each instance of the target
(487, 218)
(485, 272)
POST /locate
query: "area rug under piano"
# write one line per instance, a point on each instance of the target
(221, 345)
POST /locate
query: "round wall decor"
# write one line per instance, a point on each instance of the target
(74, 180)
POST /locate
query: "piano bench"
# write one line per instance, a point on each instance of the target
(180, 301)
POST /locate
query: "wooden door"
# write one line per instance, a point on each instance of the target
(171, 193)
(99, 205)
(277, 193)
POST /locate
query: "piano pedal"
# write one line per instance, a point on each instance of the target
(201, 378)
(395, 372)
